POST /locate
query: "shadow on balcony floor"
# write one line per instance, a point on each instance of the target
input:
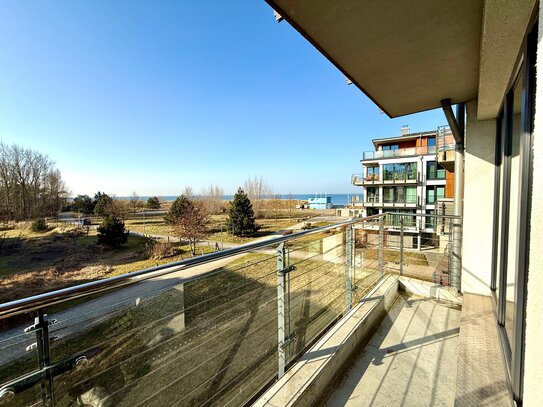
(410, 361)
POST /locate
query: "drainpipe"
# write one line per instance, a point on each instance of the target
(457, 128)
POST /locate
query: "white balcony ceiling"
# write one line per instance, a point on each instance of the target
(408, 55)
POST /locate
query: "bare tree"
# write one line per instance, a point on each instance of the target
(212, 198)
(135, 202)
(191, 223)
(257, 189)
(188, 192)
(30, 186)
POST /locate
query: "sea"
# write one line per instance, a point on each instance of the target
(337, 199)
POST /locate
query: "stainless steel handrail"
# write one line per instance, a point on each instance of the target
(58, 296)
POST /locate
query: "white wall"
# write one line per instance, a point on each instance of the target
(478, 203)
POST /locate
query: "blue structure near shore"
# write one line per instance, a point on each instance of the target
(324, 202)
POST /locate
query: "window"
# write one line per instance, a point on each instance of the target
(372, 195)
(434, 170)
(431, 141)
(411, 195)
(388, 194)
(400, 194)
(400, 171)
(372, 173)
(390, 147)
(430, 221)
(433, 193)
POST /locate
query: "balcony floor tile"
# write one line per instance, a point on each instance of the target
(411, 360)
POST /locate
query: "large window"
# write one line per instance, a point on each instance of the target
(400, 171)
(372, 173)
(433, 193)
(513, 160)
(431, 141)
(400, 194)
(434, 170)
(372, 195)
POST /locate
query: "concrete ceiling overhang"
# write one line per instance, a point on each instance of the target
(405, 55)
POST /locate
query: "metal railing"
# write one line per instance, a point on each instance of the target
(209, 330)
(372, 199)
(421, 246)
(401, 176)
(360, 179)
(401, 152)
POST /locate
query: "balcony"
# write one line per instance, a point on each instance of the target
(223, 328)
(361, 179)
(401, 177)
(445, 148)
(401, 152)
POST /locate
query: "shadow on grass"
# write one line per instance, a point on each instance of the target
(207, 341)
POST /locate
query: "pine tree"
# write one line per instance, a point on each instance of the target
(241, 217)
(177, 209)
(112, 232)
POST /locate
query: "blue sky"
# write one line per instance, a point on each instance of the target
(153, 96)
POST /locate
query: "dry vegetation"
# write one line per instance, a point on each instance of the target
(32, 263)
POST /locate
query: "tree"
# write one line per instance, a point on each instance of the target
(257, 190)
(39, 225)
(176, 210)
(212, 198)
(153, 203)
(190, 222)
(135, 202)
(112, 232)
(241, 218)
(30, 186)
(83, 204)
(103, 204)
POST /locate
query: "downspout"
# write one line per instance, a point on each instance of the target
(457, 128)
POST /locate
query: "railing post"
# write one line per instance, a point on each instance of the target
(401, 246)
(349, 266)
(281, 331)
(381, 248)
(41, 327)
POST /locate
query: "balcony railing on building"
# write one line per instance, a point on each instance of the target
(365, 179)
(211, 330)
(400, 152)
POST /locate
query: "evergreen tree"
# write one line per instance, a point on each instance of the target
(83, 204)
(112, 232)
(177, 209)
(241, 217)
(153, 203)
(103, 204)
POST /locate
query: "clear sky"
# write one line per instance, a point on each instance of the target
(153, 96)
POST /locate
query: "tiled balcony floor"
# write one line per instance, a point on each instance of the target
(410, 361)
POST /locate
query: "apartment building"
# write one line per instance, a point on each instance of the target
(411, 173)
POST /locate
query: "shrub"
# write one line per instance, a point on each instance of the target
(153, 203)
(38, 225)
(159, 250)
(112, 232)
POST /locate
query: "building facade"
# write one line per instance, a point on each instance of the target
(412, 174)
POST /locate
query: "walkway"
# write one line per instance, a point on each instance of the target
(410, 361)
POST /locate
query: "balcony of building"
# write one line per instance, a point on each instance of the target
(375, 156)
(445, 148)
(275, 322)
(366, 179)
